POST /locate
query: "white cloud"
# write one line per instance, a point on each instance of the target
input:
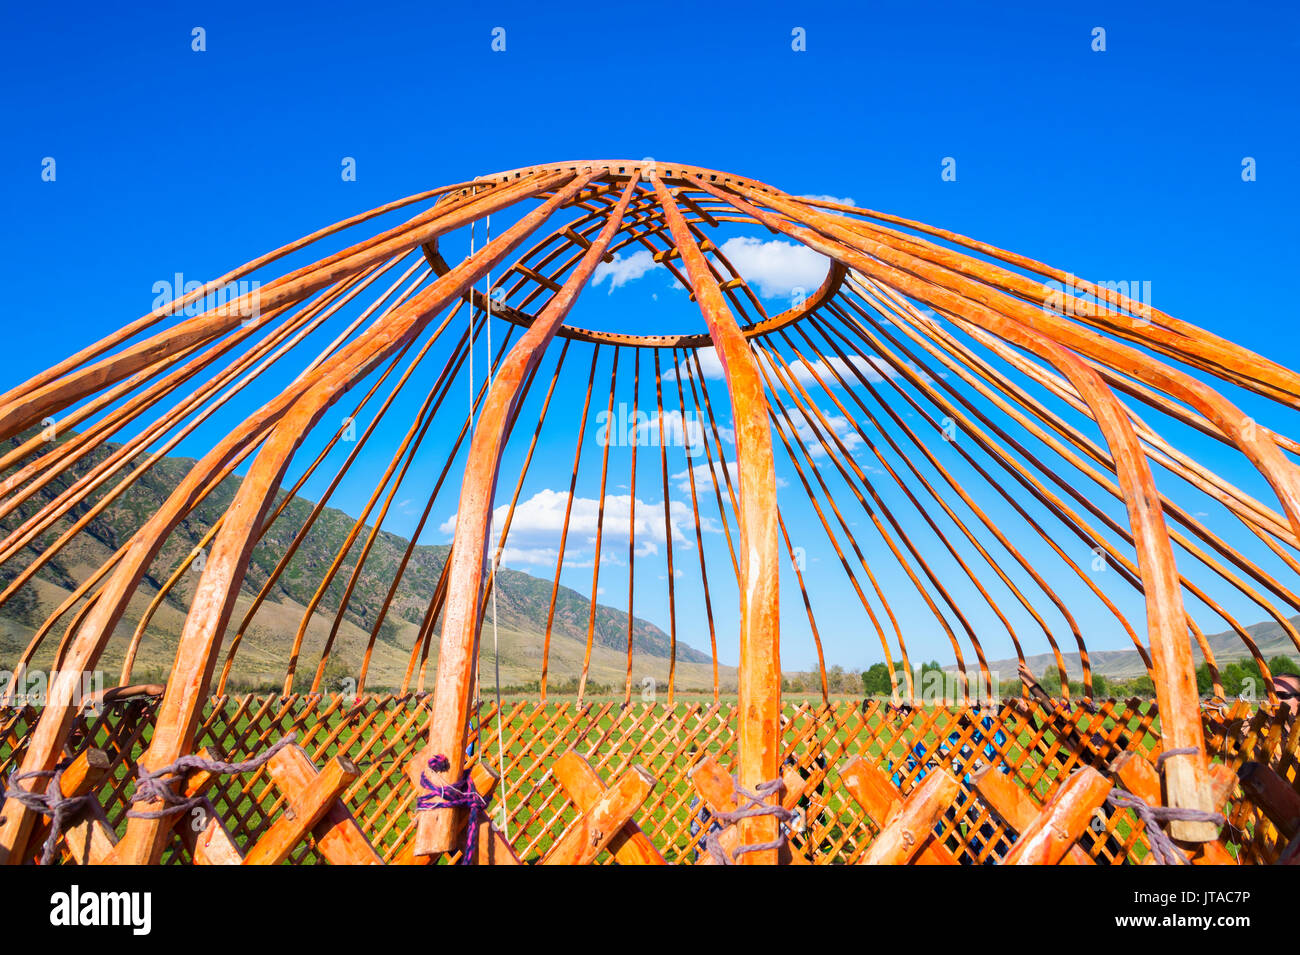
(624, 268)
(840, 425)
(704, 478)
(533, 556)
(705, 474)
(776, 268)
(710, 365)
(538, 521)
(627, 426)
(845, 201)
(875, 370)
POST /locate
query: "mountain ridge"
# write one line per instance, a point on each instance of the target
(1271, 639)
(522, 600)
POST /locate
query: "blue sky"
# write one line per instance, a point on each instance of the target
(1117, 164)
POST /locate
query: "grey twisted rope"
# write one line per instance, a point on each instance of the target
(1164, 849)
(157, 785)
(755, 805)
(1184, 751)
(51, 803)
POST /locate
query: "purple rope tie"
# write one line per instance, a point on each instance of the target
(51, 803)
(461, 795)
(159, 785)
(755, 805)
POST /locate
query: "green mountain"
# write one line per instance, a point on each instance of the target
(1126, 664)
(521, 605)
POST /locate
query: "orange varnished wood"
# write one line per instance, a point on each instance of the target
(337, 835)
(310, 803)
(911, 825)
(629, 845)
(591, 833)
(1047, 839)
(760, 657)
(459, 646)
(1016, 807)
(877, 794)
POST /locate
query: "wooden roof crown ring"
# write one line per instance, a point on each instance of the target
(910, 322)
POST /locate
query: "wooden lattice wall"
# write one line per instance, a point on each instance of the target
(1071, 402)
(383, 734)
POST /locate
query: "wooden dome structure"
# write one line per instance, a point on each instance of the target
(998, 423)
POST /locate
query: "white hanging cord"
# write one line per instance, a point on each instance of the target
(496, 560)
(470, 313)
(478, 681)
(487, 239)
(496, 563)
(496, 665)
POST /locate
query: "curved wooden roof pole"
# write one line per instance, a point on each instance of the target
(177, 305)
(215, 599)
(56, 395)
(458, 650)
(1259, 447)
(1146, 325)
(125, 402)
(1176, 694)
(759, 680)
(184, 690)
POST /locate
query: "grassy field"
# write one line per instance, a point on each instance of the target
(382, 736)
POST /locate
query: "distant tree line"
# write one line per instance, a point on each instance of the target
(1238, 677)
